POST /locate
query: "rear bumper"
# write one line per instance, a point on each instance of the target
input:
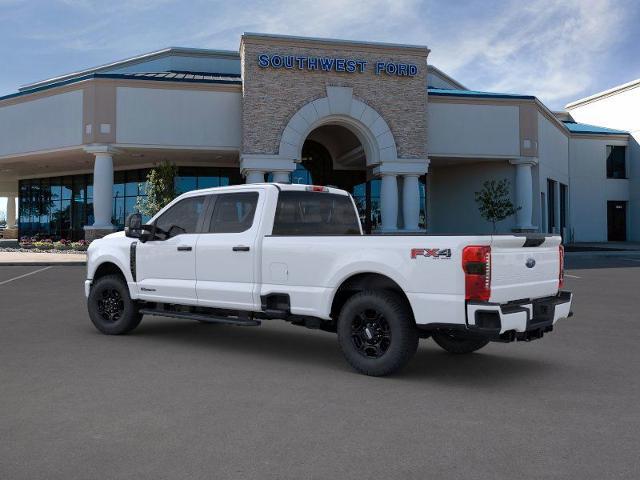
(524, 320)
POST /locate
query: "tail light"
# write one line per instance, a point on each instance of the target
(561, 275)
(476, 263)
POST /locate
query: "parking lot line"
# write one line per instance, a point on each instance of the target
(571, 276)
(25, 275)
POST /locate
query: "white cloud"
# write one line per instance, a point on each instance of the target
(544, 47)
(547, 48)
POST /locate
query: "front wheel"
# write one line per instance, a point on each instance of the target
(454, 342)
(110, 307)
(376, 333)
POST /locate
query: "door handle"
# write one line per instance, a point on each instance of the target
(184, 248)
(240, 248)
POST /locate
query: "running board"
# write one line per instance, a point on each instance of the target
(245, 322)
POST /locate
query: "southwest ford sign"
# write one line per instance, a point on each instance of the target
(334, 64)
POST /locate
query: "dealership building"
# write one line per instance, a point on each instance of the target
(410, 143)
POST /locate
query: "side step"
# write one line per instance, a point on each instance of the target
(242, 320)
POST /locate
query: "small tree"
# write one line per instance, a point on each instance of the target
(160, 189)
(494, 201)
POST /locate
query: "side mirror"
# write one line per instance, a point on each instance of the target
(133, 225)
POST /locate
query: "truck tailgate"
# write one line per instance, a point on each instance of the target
(524, 267)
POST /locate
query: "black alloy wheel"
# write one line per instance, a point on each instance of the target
(376, 332)
(111, 305)
(370, 333)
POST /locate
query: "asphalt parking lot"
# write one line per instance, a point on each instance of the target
(178, 399)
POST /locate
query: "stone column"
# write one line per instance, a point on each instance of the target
(281, 177)
(254, 176)
(253, 166)
(389, 202)
(410, 170)
(102, 192)
(411, 202)
(11, 212)
(524, 193)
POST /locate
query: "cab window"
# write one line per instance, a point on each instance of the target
(233, 212)
(182, 217)
(315, 213)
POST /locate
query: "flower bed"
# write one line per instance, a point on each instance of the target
(40, 245)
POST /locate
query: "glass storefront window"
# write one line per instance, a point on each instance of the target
(67, 189)
(118, 184)
(208, 182)
(186, 184)
(60, 207)
(89, 186)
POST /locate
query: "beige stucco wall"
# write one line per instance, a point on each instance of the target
(590, 189)
(45, 123)
(272, 96)
(453, 208)
(619, 110)
(459, 129)
(178, 117)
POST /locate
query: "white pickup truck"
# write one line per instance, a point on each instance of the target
(243, 254)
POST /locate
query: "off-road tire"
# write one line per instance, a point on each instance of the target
(110, 307)
(457, 343)
(399, 333)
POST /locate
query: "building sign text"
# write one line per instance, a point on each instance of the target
(332, 64)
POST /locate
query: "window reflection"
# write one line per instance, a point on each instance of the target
(59, 207)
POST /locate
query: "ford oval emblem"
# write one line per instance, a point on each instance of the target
(530, 263)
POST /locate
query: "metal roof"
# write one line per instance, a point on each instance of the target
(135, 60)
(444, 92)
(187, 77)
(585, 128)
(177, 75)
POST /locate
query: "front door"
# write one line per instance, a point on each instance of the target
(617, 221)
(166, 269)
(227, 252)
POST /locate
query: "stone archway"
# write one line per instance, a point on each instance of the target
(339, 107)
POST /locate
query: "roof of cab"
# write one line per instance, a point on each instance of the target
(252, 186)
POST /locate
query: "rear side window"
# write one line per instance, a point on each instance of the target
(315, 213)
(182, 217)
(233, 212)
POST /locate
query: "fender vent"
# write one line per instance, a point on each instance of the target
(132, 260)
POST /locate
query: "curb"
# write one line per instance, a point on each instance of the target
(42, 264)
(601, 253)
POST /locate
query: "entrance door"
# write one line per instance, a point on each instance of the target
(617, 221)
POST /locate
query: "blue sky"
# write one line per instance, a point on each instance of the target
(556, 50)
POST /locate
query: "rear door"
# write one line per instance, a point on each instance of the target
(524, 267)
(227, 252)
(166, 269)
(617, 221)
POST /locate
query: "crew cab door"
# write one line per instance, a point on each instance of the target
(227, 251)
(166, 269)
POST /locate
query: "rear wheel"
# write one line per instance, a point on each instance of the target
(454, 342)
(110, 307)
(376, 333)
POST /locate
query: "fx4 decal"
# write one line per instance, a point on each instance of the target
(431, 252)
